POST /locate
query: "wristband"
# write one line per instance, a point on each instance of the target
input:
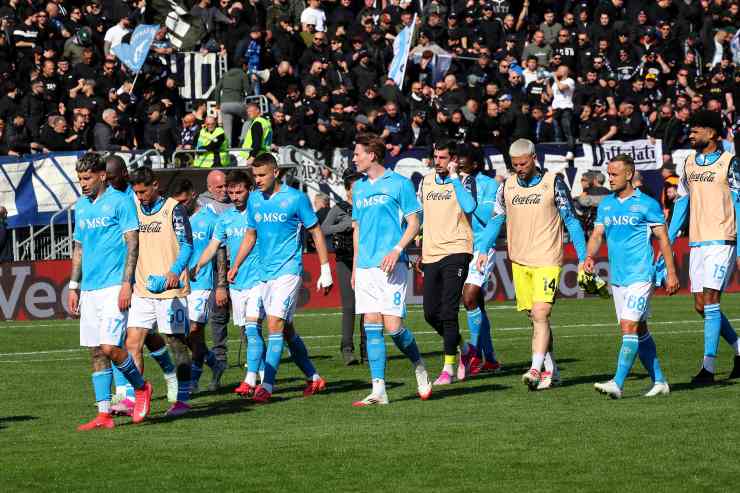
(74, 285)
(398, 248)
(326, 269)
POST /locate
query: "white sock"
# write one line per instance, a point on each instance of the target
(104, 407)
(251, 378)
(550, 363)
(537, 360)
(736, 347)
(449, 369)
(121, 392)
(419, 366)
(262, 375)
(315, 377)
(378, 386)
(708, 363)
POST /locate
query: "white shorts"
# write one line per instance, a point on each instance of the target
(378, 292)
(280, 296)
(170, 315)
(200, 303)
(247, 304)
(632, 302)
(711, 266)
(101, 322)
(476, 277)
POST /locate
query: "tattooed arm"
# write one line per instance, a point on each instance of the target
(73, 294)
(132, 256)
(222, 295)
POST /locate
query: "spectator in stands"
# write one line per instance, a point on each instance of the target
(212, 144)
(35, 107)
(230, 91)
(605, 125)
(108, 135)
(313, 18)
(81, 136)
(159, 134)
(541, 129)
(257, 134)
(630, 125)
(419, 133)
(6, 239)
(55, 136)
(114, 35)
(561, 88)
(676, 134)
(18, 137)
(393, 128)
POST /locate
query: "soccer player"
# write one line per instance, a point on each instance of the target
(275, 214)
(245, 288)
(446, 252)
(162, 285)
(535, 206)
(202, 296)
(123, 402)
(708, 193)
(385, 216)
(215, 198)
(484, 188)
(100, 285)
(628, 217)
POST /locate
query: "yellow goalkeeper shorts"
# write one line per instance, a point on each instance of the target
(534, 284)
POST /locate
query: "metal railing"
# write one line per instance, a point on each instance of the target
(147, 155)
(64, 244)
(261, 100)
(187, 157)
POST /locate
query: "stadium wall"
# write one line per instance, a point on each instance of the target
(38, 290)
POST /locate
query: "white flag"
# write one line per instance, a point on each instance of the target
(401, 48)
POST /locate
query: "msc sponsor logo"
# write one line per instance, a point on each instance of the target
(239, 232)
(703, 177)
(531, 199)
(94, 222)
(624, 220)
(271, 217)
(371, 201)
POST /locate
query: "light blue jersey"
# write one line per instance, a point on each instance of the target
(380, 208)
(230, 229)
(484, 188)
(99, 228)
(203, 224)
(628, 224)
(278, 221)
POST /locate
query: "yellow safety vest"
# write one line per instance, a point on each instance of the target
(206, 159)
(264, 145)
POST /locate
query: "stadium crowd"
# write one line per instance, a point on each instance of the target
(567, 71)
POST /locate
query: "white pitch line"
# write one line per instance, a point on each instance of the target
(75, 323)
(389, 344)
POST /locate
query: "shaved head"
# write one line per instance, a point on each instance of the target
(216, 183)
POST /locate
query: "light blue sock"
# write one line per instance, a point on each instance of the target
(627, 355)
(712, 327)
(300, 356)
(486, 343)
(120, 381)
(102, 380)
(727, 332)
(649, 357)
(163, 359)
(210, 359)
(196, 371)
(272, 359)
(129, 370)
(475, 320)
(405, 341)
(375, 350)
(255, 347)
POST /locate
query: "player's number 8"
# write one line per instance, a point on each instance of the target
(397, 298)
(635, 302)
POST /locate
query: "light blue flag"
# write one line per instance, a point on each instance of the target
(401, 48)
(134, 54)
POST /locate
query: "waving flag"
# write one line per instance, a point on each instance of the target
(134, 54)
(401, 48)
(186, 31)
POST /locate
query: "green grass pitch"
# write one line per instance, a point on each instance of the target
(485, 434)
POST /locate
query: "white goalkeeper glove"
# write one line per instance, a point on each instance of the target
(325, 280)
